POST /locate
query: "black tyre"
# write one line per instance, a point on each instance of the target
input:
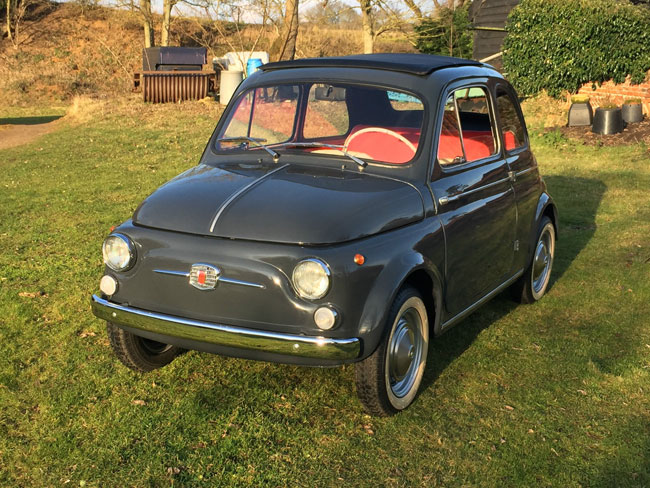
(533, 284)
(138, 353)
(388, 380)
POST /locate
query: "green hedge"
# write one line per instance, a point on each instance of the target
(558, 45)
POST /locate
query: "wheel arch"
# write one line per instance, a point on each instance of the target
(546, 208)
(414, 270)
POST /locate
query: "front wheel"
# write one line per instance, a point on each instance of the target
(138, 353)
(388, 380)
(533, 284)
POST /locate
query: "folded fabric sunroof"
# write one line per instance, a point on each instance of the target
(417, 64)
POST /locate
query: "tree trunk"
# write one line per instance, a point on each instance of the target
(166, 22)
(9, 35)
(367, 25)
(147, 22)
(289, 31)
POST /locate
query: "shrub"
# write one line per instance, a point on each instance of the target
(560, 45)
(448, 34)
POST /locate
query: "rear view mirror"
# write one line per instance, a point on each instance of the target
(330, 93)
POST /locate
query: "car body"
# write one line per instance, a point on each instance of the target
(344, 210)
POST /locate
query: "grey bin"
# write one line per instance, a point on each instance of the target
(608, 121)
(580, 114)
(632, 112)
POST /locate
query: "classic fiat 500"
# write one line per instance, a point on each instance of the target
(344, 210)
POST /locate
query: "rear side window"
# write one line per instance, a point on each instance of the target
(467, 132)
(511, 125)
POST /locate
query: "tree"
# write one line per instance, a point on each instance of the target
(166, 21)
(147, 22)
(368, 27)
(287, 45)
(447, 34)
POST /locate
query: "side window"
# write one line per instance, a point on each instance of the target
(511, 125)
(467, 132)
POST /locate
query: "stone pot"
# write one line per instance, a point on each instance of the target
(580, 114)
(608, 121)
(632, 112)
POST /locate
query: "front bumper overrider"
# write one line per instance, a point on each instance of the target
(300, 346)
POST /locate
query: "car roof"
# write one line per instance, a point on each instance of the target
(417, 64)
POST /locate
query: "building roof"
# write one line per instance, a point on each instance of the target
(417, 64)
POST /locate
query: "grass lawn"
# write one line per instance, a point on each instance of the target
(553, 394)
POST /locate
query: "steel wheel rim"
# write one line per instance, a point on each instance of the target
(542, 261)
(405, 353)
(154, 347)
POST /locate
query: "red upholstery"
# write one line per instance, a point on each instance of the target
(510, 141)
(382, 146)
(478, 145)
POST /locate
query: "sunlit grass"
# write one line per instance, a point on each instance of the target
(556, 393)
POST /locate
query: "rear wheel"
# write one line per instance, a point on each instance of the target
(138, 353)
(533, 284)
(388, 380)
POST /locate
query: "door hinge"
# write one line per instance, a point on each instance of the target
(517, 245)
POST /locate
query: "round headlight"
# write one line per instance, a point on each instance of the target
(311, 278)
(119, 253)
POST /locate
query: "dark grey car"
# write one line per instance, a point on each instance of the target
(345, 210)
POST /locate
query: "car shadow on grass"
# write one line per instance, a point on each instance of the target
(43, 119)
(577, 200)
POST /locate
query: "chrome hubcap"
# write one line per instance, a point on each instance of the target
(542, 261)
(405, 352)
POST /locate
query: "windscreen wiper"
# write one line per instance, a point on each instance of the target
(254, 140)
(336, 147)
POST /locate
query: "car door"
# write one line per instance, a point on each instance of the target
(521, 164)
(474, 195)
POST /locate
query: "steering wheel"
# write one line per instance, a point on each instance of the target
(381, 130)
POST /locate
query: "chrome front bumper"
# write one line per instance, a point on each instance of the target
(225, 335)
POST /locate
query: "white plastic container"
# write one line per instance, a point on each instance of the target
(230, 80)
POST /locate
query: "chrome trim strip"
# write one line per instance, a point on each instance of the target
(239, 192)
(220, 278)
(240, 282)
(527, 170)
(173, 273)
(471, 308)
(456, 196)
(225, 335)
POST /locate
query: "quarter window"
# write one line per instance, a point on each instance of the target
(511, 127)
(467, 132)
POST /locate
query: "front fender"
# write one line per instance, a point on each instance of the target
(373, 324)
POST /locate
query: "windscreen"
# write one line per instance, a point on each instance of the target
(370, 123)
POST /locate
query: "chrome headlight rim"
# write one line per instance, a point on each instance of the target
(324, 267)
(129, 245)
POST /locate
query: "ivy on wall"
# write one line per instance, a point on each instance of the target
(558, 45)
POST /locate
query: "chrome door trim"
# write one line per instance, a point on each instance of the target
(459, 195)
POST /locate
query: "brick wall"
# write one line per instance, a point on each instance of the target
(611, 92)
